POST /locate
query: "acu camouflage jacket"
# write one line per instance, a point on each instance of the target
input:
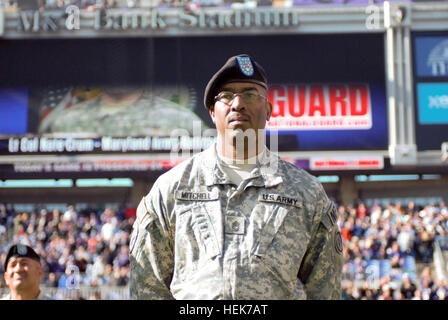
(198, 236)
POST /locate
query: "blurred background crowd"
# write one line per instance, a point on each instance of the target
(85, 248)
(392, 252)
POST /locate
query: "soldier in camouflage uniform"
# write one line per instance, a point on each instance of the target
(212, 229)
(23, 273)
(124, 112)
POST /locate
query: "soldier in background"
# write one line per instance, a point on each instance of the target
(236, 221)
(123, 111)
(23, 273)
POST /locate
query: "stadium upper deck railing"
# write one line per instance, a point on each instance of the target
(234, 18)
(204, 3)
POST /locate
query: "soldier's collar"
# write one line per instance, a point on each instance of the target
(266, 169)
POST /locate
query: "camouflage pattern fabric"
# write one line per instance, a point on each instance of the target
(197, 236)
(143, 117)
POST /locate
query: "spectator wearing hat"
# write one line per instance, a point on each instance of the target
(23, 273)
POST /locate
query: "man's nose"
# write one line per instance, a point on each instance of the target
(237, 103)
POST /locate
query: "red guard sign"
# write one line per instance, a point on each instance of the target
(320, 107)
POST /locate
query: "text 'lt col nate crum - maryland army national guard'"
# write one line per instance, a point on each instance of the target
(236, 223)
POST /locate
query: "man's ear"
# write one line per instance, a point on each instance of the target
(212, 113)
(5, 276)
(40, 271)
(268, 110)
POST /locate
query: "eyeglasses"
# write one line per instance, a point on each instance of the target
(248, 97)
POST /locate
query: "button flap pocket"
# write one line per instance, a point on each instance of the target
(269, 231)
(206, 231)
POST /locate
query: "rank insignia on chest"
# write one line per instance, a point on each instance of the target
(235, 225)
(277, 198)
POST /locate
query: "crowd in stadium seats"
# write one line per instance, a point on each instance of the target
(383, 247)
(77, 248)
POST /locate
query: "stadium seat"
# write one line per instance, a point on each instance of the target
(385, 268)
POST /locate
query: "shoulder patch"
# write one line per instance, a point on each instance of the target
(332, 213)
(329, 216)
(338, 241)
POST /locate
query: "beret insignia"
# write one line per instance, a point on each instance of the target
(245, 65)
(22, 250)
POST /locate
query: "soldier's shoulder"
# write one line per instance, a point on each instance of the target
(182, 170)
(293, 173)
(298, 181)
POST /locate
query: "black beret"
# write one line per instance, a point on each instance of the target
(240, 68)
(22, 251)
